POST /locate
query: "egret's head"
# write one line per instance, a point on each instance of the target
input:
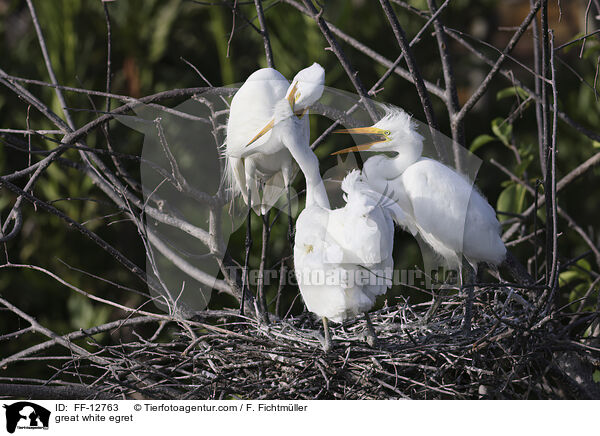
(395, 131)
(306, 88)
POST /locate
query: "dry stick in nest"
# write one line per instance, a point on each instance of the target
(287, 372)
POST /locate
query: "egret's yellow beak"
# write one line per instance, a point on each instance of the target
(382, 134)
(264, 130)
(293, 95)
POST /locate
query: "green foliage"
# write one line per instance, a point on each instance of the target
(502, 130)
(480, 141)
(577, 283)
(512, 91)
(83, 314)
(512, 199)
(162, 24)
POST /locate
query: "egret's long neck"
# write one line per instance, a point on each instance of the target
(390, 168)
(298, 145)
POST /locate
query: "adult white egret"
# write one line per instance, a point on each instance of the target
(441, 205)
(342, 257)
(254, 156)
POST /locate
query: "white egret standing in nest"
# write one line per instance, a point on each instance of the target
(254, 155)
(256, 160)
(440, 204)
(342, 257)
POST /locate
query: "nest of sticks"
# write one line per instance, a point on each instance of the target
(514, 349)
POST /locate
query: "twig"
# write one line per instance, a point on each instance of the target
(335, 47)
(414, 71)
(482, 88)
(552, 164)
(264, 33)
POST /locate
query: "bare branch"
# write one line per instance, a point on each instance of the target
(264, 33)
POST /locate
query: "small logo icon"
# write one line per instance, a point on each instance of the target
(26, 415)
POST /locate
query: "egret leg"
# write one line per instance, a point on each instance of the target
(371, 335)
(247, 246)
(468, 314)
(287, 174)
(328, 344)
(436, 301)
(290, 233)
(262, 299)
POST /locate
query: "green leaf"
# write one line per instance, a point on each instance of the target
(582, 263)
(502, 130)
(596, 376)
(578, 272)
(525, 149)
(596, 144)
(511, 91)
(480, 141)
(541, 214)
(566, 277)
(520, 169)
(511, 199)
(83, 314)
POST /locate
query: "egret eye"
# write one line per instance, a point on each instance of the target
(387, 133)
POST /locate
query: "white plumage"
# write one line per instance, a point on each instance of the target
(439, 204)
(342, 257)
(254, 156)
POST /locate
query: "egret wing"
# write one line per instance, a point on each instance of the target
(439, 197)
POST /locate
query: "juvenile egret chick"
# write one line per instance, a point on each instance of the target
(440, 204)
(342, 257)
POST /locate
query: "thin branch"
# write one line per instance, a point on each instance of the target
(264, 33)
(482, 88)
(538, 85)
(49, 68)
(72, 223)
(339, 53)
(514, 81)
(414, 71)
(552, 165)
(434, 89)
(49, 333)
(448, 71)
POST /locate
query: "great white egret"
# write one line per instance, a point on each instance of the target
(254, 156)
(342, 257)
(440, 204)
